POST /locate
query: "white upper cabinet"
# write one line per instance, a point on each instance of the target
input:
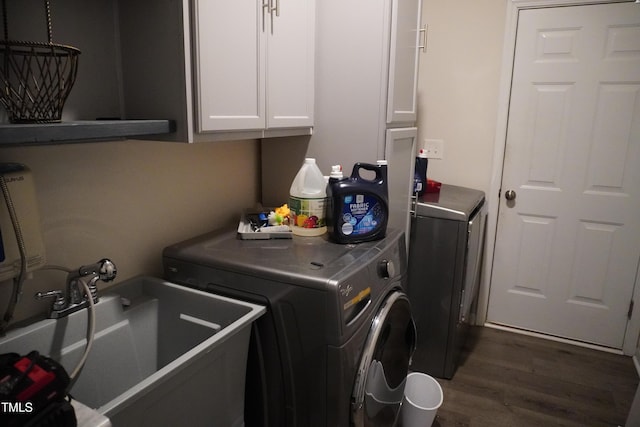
(230, 59)
(254, 64)
(366, 77)
(290, 63)
(407, 38)
(223, 69)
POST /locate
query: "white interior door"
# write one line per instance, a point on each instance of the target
(568, 246)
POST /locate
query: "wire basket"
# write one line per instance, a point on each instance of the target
(36, 77)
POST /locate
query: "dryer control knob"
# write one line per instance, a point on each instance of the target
(386, 269)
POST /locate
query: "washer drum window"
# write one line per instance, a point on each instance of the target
(381, 376)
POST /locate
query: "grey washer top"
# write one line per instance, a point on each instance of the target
(304, 261)
(452, 202)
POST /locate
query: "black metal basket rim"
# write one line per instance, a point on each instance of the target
(8, 44)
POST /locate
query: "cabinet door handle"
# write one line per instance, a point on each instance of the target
(266, 5)
(423, 46)
(414, 201)
(273, 9)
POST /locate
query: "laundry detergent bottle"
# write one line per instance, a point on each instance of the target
(420, 176)
(307, 201)
(358, 206)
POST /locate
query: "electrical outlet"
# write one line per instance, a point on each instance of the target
(434, 148)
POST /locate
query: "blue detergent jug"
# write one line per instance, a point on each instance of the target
(358, 207)
(420, 175)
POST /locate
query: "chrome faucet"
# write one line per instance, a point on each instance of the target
(75, 297)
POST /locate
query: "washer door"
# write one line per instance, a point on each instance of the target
(382, 373)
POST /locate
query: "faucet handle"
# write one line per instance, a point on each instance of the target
(105, 269)
(59, 301)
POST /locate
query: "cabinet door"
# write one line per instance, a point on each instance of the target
(290, 63)
(400, 153)
(229, 44)
(403, 61)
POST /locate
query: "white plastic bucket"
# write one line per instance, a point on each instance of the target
(422, 398)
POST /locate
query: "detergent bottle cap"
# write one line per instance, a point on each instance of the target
(422, 153)
(336, 172)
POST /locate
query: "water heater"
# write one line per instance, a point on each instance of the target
(19, 186)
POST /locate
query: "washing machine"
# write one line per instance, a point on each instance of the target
(335, 345)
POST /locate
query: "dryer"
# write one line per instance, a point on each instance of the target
(447, 238)
(335, 345)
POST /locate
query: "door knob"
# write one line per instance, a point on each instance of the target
(510, 195)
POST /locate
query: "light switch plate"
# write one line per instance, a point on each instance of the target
(434, 148)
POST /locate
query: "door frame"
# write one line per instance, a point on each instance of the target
(514, 7)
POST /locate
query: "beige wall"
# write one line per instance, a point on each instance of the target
(126, 200)
(458, 87)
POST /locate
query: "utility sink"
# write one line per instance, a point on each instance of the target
(162, 354)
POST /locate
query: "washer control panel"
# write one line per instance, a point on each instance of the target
(364, 286)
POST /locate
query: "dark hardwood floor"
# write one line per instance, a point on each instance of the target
(509, 379)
